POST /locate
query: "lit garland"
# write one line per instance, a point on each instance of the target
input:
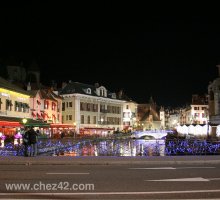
(125, 147)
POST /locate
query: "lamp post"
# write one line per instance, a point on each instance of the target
(207, 117)
(74, 136)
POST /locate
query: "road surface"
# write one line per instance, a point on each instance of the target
(110, 181)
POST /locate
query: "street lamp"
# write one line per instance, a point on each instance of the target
(207, 129)
(24, 120)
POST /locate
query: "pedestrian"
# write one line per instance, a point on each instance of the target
(33, 141)
(62, 135)
(26, 141)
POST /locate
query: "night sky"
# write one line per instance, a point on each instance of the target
(165, 57)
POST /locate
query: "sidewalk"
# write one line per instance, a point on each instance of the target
(110, 160)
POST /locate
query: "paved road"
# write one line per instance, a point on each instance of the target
(112, 181)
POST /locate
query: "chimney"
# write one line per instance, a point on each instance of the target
(64, 84)
(29, 86)
(120, 94)
(218, 70)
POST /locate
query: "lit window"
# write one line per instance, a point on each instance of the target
(88, 91)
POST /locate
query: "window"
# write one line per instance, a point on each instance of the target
(70, 104)
(8, 105)
(88, 107)
(67, 104)
(195, 108)
(63, 106)
(119, 110)
(16, 106)
(53, 106)
(46, 105)
(88, 120)
(38, 102)
(81, 106)
(94, 119)
(94, 107)
(82, 119)
(66, 117)
(70, 117)
(127, 106)
(25, 107)
(88, 91)
(196, 115)
(0, 103)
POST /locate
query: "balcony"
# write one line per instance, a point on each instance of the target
(3, 112)
(103, 122)
(103, 110)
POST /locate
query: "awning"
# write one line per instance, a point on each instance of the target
(10, 124)
(33, 114)
(97, 128)
(39, 116)
(62, 126)
(36, 123)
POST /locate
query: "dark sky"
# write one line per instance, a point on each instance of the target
(166, 57)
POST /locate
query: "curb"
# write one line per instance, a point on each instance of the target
(190, 160)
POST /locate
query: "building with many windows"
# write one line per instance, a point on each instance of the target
(45, 105)
(92, 109)
(199, 110)
(195, 113)
(14, 106)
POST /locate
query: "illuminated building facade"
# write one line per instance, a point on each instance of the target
(14, 106)
(148, 116)
(92, 109)
(46, 106)
(129, 115)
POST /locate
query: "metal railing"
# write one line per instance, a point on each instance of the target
(120, 147)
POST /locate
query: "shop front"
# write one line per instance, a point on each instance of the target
(67, 130)
(10, 125)
(89, 131)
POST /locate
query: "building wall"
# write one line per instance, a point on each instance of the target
(162, 118)
(129, 114)
(198, 113)
(46, 109)
(83, 107)
(174, 120)
(14, 104)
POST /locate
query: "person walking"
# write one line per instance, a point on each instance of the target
(26, 141)
(33, 141)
